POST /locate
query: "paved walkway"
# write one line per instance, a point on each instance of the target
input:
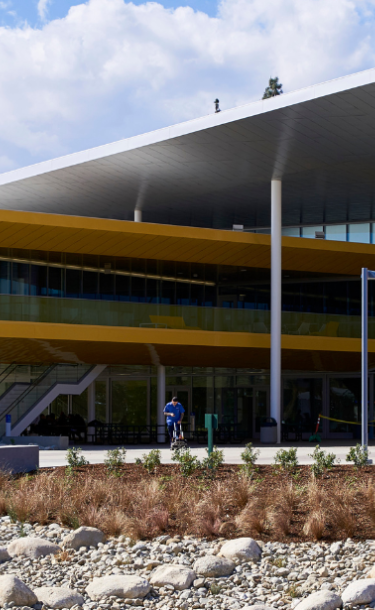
(232, 454)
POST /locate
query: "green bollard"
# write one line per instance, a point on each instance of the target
(211, 423)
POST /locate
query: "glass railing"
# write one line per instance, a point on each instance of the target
(176, 317)
(58, 373)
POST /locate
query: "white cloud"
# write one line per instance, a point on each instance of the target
(111, 69)
(42, 8)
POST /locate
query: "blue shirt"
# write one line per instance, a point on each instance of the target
(176, 410)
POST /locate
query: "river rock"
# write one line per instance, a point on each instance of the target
(83, 536)
(177, 576)
(12, 589)
(58, 597)
(4, 555)
(258, 607)
(243, 549)
(127, 586)
(210, 565)
(359, 592)
(32, 547)
(321, 600)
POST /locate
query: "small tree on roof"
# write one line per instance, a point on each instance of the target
(274, 88)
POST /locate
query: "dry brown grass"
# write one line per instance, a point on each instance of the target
(203, 507)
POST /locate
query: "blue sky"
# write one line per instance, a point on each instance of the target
(16, 12)
(75, 75)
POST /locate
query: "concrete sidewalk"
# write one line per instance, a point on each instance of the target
(232, 454)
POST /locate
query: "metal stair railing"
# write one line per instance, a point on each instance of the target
(56, 373)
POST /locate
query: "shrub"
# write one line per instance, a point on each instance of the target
(114, 460)
(287, 458)
(214, 460)
(151, 460)
(322, 461)
(75, 458)
(188, 463)
(358, 455)
(249, 456)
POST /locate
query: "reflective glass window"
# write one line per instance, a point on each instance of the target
(138, 289)
(73, 283)
(336, 232)
(345, 404)
(310, 231)
(55, 282)
(90, 285)
(20, 278)
(360, 233)
(291, 231)
(106, 286)
(129, 398)
(122, 287)
(38, 280)
(152, 290)
(303, 401)
(4, 277)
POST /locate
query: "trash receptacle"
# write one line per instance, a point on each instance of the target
(268, 430)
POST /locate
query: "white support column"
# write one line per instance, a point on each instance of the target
(91, 402)
(161, 404)
(137, 215)
(275, 376)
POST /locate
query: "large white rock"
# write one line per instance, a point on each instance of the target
(359, 592)
(321, 600)
(178, 576)
(210, 565)
(12, 589)
(121, 585)
(4, 555)
(243, 549)
(83, 536)
(58, 597)
(32, 547)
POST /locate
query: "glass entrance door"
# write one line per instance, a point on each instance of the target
(261, 408)
(183, 394)
(237, 412)
(129, 398)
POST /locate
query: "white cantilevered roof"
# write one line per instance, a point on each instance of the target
(215, 171)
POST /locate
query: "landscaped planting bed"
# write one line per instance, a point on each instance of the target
(270, 504)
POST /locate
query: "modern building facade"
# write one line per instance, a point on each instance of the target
(218, 260)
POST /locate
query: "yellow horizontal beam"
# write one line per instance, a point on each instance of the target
(97, 236)
(29, 342)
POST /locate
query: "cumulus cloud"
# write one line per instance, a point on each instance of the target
(111, 69)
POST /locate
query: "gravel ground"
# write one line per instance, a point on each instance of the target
(284, 574)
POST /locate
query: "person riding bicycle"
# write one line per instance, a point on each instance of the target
(174, 412)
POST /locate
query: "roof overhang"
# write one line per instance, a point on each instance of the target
(215, 171)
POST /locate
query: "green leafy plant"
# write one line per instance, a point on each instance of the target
(287, 458)
(114, 461)
(358, 455)
(323, 461)
(188, 463)
(279, 562)
(249, 456)
(214, 460)
(75, 458)
(151, 459)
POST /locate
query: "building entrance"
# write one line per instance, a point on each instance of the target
(243, 409)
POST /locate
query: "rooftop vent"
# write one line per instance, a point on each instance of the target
(216, 102)
(319, 235)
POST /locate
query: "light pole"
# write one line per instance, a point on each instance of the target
(365, 277)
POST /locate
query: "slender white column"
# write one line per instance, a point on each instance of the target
(137, 215)
(91, 402)
(364, 357)
(161, 403)
(275, 377)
